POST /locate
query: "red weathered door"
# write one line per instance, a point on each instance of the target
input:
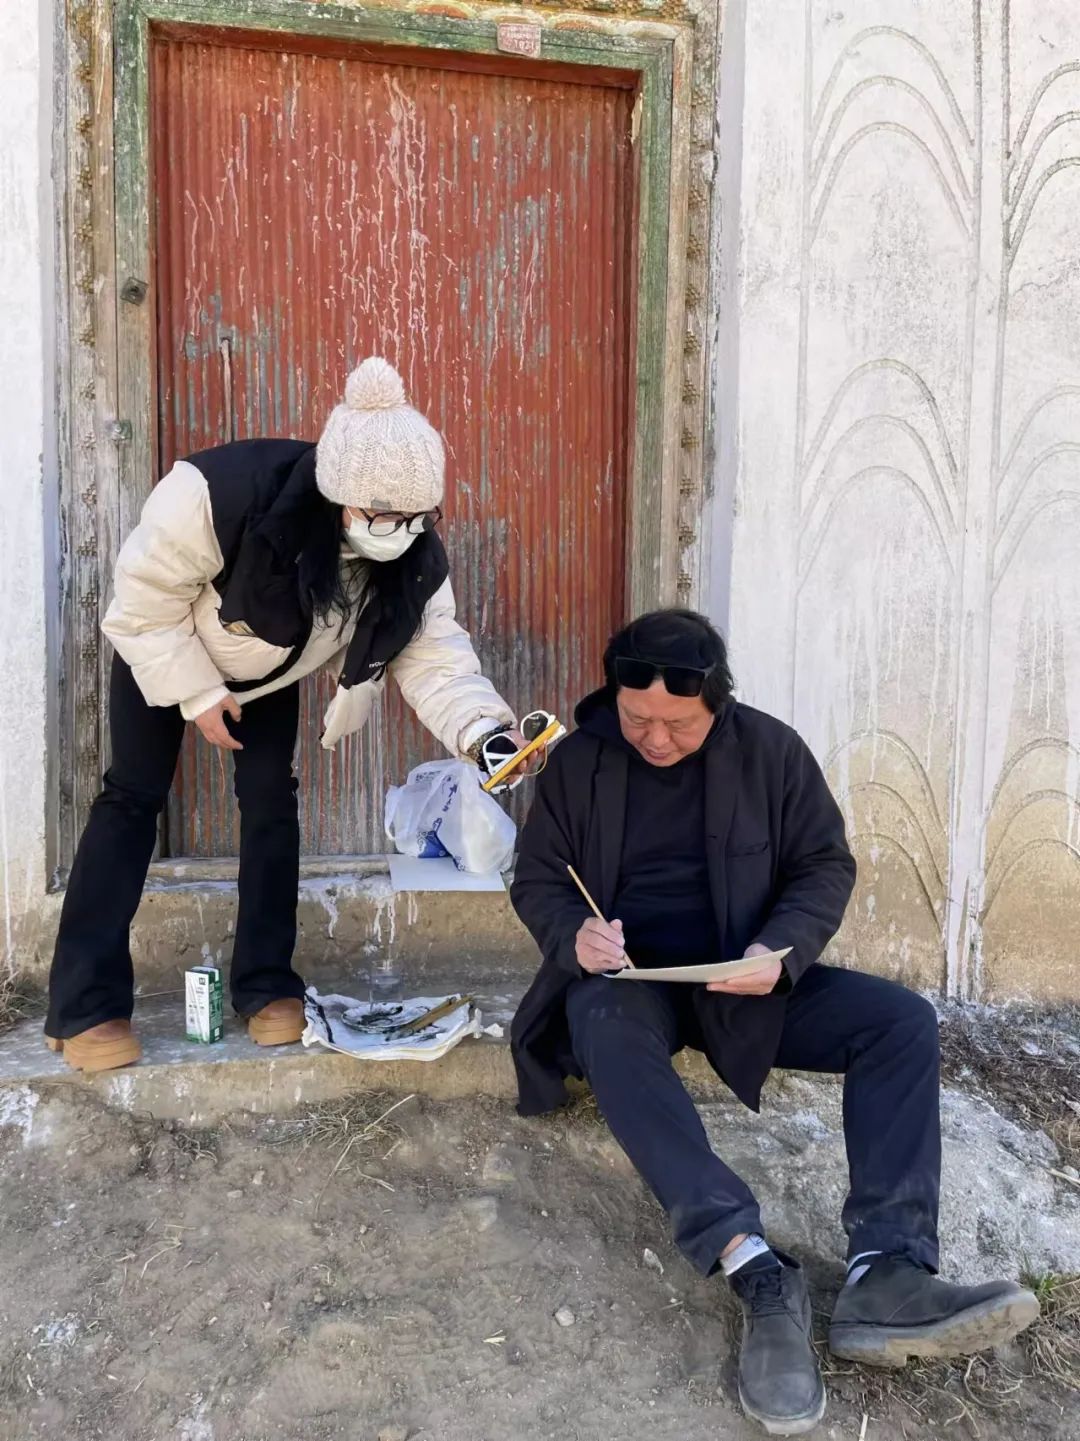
(318, 204)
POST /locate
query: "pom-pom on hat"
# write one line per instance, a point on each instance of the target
(376, 452)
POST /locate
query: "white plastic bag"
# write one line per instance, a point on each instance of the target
(442, 810)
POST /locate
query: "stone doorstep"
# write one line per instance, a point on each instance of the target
(348, 914)
(344, 919)
(198, 1085)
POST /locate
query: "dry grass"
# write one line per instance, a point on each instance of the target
(933, 1394)
(1052, 1346)
(199, 1145)
(359, 1127)
(333, 1124)
(12, 1001)
(1026, 1063)
(581, 1109)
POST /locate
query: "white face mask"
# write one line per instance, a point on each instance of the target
(376, 547)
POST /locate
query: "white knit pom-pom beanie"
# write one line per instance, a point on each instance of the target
(376, 453)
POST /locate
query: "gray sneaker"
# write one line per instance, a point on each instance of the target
(780, 1385)
(899, 1309)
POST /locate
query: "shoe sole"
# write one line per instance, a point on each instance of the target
(979, 1328)
(785, 1425)
(96, 1056)
(276, 1033)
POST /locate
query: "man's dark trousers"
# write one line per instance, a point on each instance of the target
(883, 1039)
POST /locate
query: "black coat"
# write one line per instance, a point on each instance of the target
(780, 873)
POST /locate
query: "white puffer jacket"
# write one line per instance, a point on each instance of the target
(163, 621)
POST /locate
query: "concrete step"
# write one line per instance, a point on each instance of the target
(183, 1081)
(349, 915)
(196, 1085)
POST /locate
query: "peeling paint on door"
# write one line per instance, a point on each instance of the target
(313, 207)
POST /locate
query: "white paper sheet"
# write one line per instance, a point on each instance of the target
(438, 873)
(716, 971)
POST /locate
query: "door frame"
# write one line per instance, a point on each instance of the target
(107, 358)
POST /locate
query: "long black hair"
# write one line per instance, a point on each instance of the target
(675, 637)
(332, 592)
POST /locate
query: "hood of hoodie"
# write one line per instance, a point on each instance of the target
(597, 716)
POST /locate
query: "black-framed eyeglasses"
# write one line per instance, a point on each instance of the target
(390, 522)
(681, 680)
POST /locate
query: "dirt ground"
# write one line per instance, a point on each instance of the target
(354, 1274)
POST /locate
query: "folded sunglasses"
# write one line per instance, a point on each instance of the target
(680, 680)
(501, 756)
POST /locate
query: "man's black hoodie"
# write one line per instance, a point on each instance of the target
(663, 895)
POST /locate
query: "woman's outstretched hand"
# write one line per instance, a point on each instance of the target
(531, 763)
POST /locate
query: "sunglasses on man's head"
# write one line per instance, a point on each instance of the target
(680, 680)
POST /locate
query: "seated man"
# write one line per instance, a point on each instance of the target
(706, 831)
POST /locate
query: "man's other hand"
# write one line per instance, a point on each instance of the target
(600, 947)
(752, 983)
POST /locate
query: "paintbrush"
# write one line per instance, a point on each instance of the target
(435, 1014)
(594, 907)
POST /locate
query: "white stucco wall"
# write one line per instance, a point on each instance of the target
(24, 430)
(906, 542)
